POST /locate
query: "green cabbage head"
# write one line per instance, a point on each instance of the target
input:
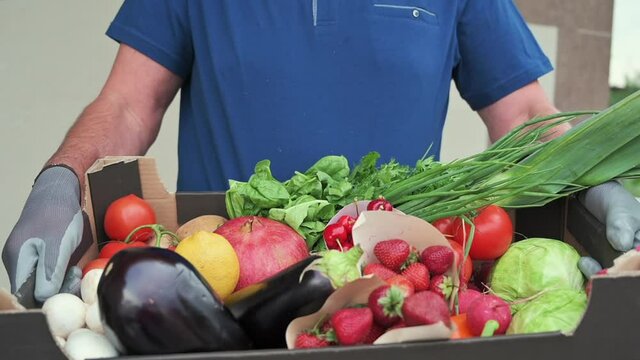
(556, 310)
(535, 265)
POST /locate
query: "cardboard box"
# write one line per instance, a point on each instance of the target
(608, 329)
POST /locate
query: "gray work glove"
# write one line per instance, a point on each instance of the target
(615, 207)
(47, 239)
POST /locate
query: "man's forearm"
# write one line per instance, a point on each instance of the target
(517, 108)
(106, 127)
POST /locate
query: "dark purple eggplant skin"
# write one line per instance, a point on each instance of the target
(153, 301)
(265, 314)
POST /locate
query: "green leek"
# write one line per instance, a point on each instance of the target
(521, 170)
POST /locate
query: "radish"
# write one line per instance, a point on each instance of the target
(465, 298)
(65, 313)
(486, 308)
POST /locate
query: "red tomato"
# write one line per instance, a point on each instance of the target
(94, 264)
(445, 226)
(126, 214)
(114, 247)
(467, 269)
(493, 235)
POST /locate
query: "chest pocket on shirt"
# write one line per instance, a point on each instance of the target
(406, 38)
(412, 13)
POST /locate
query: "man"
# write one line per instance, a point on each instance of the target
(290, 81)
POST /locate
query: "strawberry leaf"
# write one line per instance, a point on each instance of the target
(392, 302)
(413, 258)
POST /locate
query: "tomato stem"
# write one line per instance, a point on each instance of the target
(158, 231)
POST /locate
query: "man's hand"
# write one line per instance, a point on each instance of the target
(615, 207)
(123, 120)
(520, 106)
(49, 231)
(610, 203)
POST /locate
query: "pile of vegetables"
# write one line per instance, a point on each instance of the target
(519, 170)
(533, 286)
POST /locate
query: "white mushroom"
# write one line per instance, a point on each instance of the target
(86, 344)
(60, 341)
(89, 286)
(93, 318)
(65, 313)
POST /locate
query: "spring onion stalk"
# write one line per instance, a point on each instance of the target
(521, 170)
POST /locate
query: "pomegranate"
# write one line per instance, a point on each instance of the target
(264, 247)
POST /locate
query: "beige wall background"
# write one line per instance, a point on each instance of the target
(54, 58)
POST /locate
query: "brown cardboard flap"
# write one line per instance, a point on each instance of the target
(154, 191)
(190, 205)
(627, 264)
(113, 177)
(9, 302)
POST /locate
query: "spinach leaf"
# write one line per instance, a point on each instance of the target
(307, 201)
(337, 167)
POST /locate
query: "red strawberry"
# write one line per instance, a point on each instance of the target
(403, 283)
(385, 303)
(425, 308)
(375, 333)
(437, 258)
(379, 270)
(308, 340)
(396, 254)
(418, 274)
(326, 327)
(441, 285)
(352, 325)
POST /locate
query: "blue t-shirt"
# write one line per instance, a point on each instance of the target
(294, 80)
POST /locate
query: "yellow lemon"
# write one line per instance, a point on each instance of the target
(214, 258)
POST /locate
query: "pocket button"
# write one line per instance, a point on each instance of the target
(416, 13)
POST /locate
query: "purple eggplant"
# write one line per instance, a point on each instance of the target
(265, 309)
(153, 301)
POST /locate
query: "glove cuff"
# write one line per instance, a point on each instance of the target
(57, 175)
(49, 166)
